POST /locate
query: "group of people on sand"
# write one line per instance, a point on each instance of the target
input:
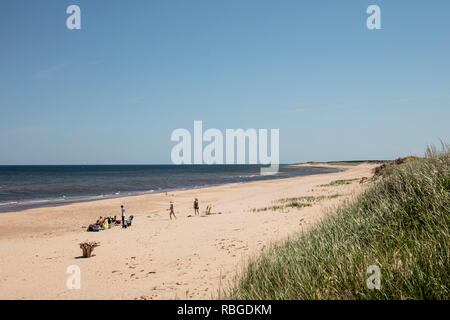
(172, 211)
(105, 223)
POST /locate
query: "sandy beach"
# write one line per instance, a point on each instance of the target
(190, 258)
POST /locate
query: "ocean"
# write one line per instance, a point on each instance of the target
(23, 187)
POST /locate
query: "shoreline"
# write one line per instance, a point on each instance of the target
(190, 258)
(22, 205)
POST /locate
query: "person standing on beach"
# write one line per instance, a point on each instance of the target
(172, 212)
(123, 216)
(196, 207)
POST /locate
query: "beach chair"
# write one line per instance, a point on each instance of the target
(128, 221)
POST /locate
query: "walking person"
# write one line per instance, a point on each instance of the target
(172, 212)
(196, 207)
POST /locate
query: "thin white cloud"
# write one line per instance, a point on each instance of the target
(361, 104)
(136, 99)
(401, 100)
(95, 62)
(48, 73)
(298, 110)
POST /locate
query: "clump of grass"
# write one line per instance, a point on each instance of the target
(309, 198)
(270, 208)
(295, 202)
(296, 199)
(401, 224)
(338, 182)
(384, 168)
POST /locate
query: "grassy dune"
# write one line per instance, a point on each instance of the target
(400, 223)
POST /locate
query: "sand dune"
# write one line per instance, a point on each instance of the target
(157, 258)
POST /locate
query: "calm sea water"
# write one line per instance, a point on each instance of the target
(24, 187)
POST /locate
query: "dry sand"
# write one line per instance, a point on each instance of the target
(190, 258)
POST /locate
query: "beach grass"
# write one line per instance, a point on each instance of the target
(345, 163)
(338, 182)
(400, 223)
(294, 202)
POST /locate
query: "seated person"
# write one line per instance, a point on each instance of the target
(105, 224)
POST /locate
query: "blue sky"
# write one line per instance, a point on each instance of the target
(113, 92)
